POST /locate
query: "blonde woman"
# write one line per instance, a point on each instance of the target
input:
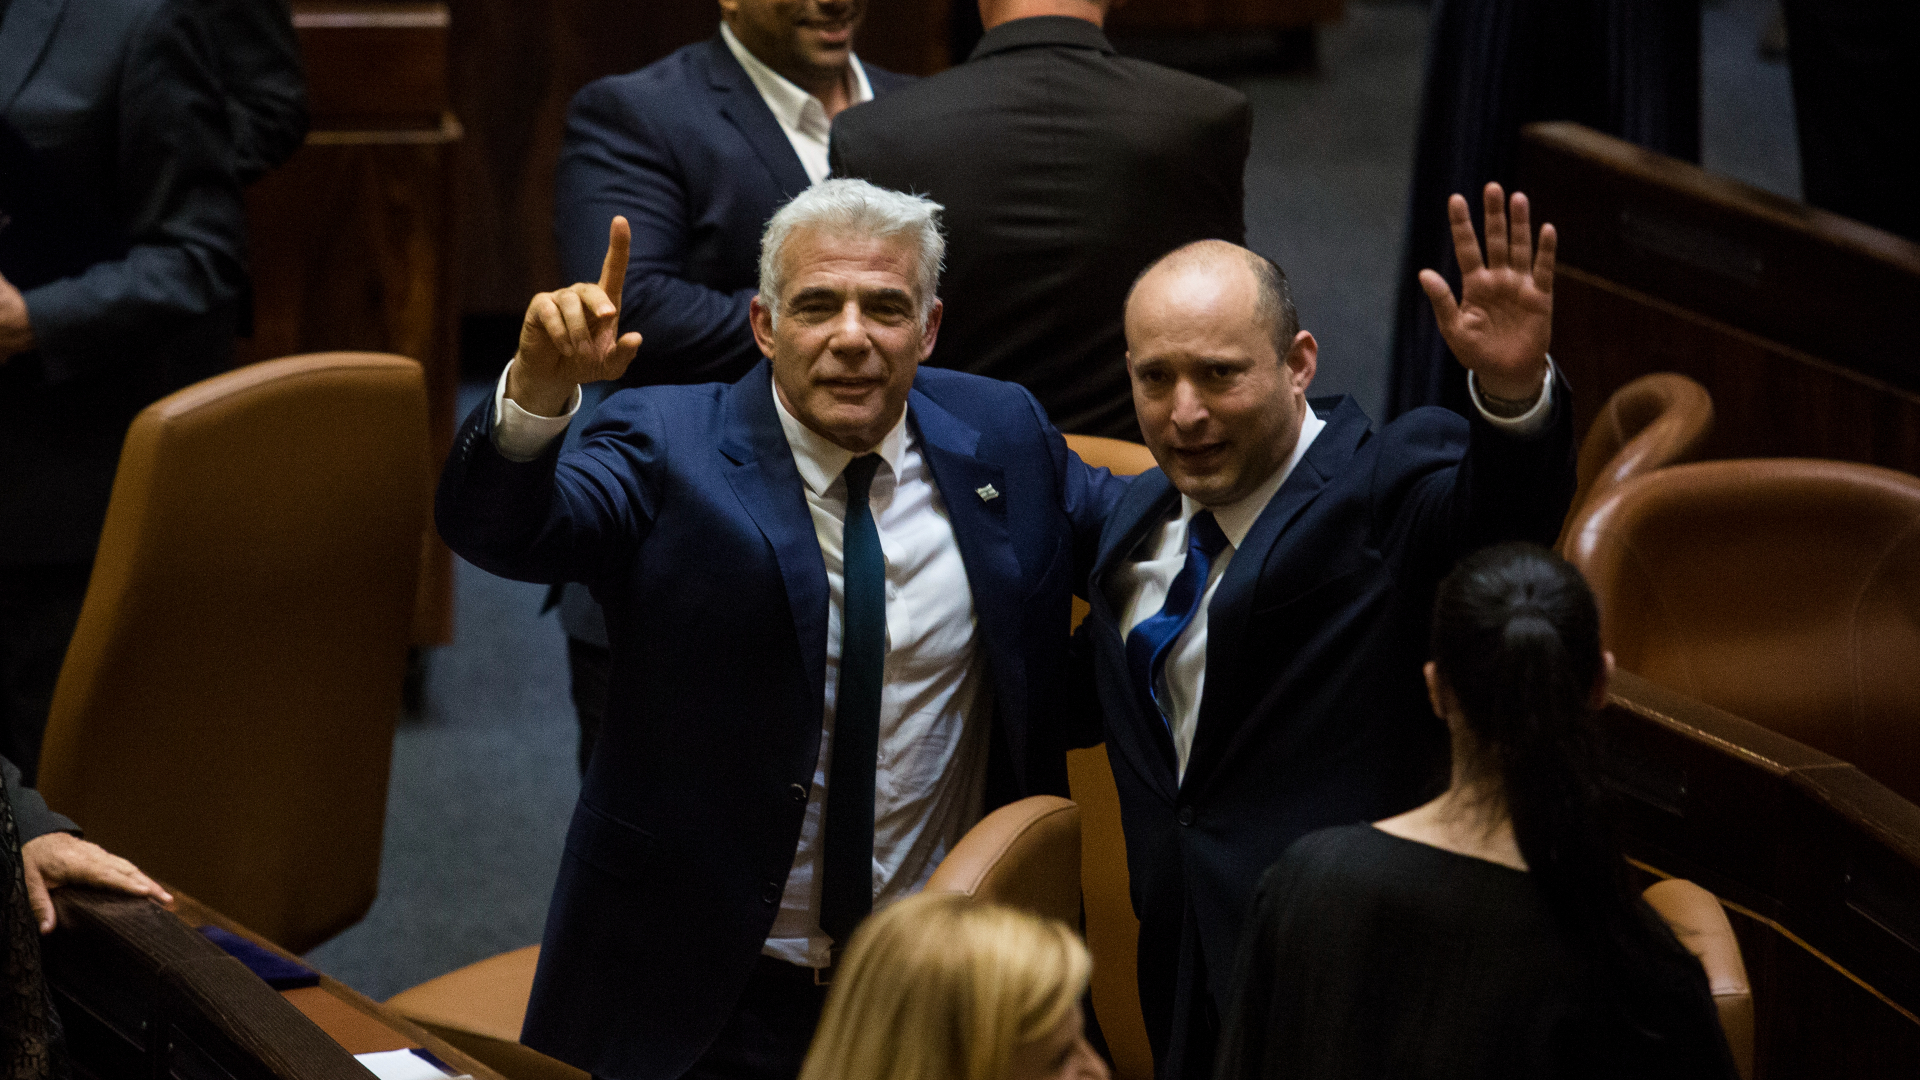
(943, 987)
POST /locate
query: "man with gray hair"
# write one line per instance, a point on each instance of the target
(836, 594)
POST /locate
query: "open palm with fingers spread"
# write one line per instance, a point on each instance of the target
(572, 335)
(1501, 325)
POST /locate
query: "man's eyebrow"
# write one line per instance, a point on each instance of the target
(813, 292)
(888, 293)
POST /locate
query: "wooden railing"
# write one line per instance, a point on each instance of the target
(1818, 865)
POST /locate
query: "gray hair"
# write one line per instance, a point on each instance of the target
(847, 207)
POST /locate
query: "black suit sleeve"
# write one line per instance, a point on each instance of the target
(178, 199)
(259, 59)
(30, 813)
(1504, 487)
(615, 160)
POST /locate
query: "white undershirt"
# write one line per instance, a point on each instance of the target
(930, 777)
(800, 114)
(1144, 582)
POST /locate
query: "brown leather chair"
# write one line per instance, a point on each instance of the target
(480, 1009)
(1652, 422)
(1112, 931)
(1784, 591)
(225, 715)
(1123, 458)
(1701, 925)
(1025, 854)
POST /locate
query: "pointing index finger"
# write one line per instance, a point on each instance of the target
(613, 272)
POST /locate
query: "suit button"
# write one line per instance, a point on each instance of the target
(798, 791)
(771, 894)
(1186, 815)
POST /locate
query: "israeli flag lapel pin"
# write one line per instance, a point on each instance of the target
(986, 493)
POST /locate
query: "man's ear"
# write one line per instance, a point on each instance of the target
(1438, 696)
(1301, 361)
(761, 319)
(931, 332)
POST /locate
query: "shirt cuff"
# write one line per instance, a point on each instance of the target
(1531, 422)
(520, 435)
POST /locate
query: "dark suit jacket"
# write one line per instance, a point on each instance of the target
(685, 513)
(126, 237)
(1065, 170)
(1314, 712)
(30, 813)
(689, 152)
(259, 61)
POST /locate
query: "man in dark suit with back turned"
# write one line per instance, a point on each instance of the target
(1259, 601)
(836, 592)
(121, 263)
(697, 151)
(1064, 169)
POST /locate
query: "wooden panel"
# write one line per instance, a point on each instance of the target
(1819, 863)
(143, 994)
(1804, 278)
(1193, 16)
(1769, 400)
(352, 241)
(374, 65)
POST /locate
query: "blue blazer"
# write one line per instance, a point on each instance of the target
(689, 152)
(685, 514)
(1315, 712)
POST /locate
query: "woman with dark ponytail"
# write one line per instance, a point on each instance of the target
(1492, 932)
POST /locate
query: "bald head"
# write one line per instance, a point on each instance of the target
(1219, 369)
(1210, 260)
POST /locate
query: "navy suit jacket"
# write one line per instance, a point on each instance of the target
(684, 512)
(123, 228)
(689, 152)
(1314, 712)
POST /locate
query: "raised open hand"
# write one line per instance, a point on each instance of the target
(572, 336)
(1503, 321)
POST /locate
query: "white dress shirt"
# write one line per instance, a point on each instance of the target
(800, 114)
(930, 777)
(1143, 583)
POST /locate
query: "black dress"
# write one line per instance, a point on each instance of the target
(1370, 956)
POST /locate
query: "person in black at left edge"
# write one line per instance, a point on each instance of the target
(122, 278)
(41, 851)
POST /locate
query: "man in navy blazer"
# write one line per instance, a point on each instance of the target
(1260, 601)
(697, 151)
(691, 152)
(838, 528)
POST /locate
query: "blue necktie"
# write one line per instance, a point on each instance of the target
(1153, 638)
(846, 876)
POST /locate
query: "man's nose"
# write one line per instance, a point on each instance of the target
(849, 334)
(1189, 408)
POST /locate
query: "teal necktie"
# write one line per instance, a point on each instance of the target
(846, 894)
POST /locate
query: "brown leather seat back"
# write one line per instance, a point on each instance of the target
(1785, 591)
(1652, 422)
(1701, 925)
(225, 715)
(1025, 854)
(1121, 457)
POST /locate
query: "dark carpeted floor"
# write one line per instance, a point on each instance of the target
(484, 781)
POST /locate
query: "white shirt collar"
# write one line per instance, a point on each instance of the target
(796, 109)
(821, 462)
(1236, 519)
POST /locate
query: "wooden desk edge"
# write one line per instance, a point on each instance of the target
(195, 914)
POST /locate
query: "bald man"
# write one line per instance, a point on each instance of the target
(1259, 601)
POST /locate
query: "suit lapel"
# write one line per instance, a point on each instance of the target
(768, 485)
(746, 110)
(24, 37)
(1232, 606)
(986, 548)
(1141, 735)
